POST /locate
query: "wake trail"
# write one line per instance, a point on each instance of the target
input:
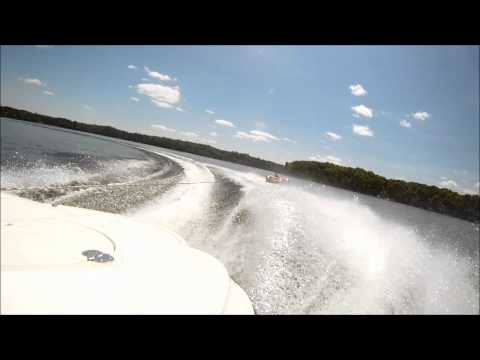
(298, 252)
(294, 251)
(181, 208)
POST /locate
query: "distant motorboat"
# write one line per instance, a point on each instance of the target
(276, 179)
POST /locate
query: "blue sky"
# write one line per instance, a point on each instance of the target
(407, 112)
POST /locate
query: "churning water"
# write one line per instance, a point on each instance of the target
(297, 249)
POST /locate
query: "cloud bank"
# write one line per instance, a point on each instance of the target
(358, 90)
(362, 130)
(362, 110)
(332, 136)
(421, 115)
(157, 75)
(329, 158)
(160, 95)
(224, 123)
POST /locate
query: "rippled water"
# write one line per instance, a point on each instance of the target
(301, 248)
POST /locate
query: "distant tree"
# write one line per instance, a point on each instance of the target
(432, 198)
(428, 197)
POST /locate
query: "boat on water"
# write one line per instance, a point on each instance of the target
(276, 179)
(68, 260)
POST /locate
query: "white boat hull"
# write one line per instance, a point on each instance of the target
(43, 270)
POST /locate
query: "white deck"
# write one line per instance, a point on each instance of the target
(43, 270)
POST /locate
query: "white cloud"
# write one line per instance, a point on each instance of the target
(255, 138)
(289, 140)
(163, 128)
(134, 98)
(162, 104)
(329, 158)
(46, 92)
(362, 110)
(145, 79)
(358, 90)
(190, 134)
(333, 136)
(334, 160)
(264, 134)
(180, 109)
(453, 185)
(405, 124)
(209, 111)
(162, 96)
(35, 82)
(448, 184)
(132, 67)
(157, 75)
(225, 123)
(213, 133)
(421, 115)
(362, 130)
(86, 107)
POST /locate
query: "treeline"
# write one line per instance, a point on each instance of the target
(427, 197)
(173, 144)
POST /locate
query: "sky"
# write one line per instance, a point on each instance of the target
(404, 112)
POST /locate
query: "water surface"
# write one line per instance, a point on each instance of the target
(302, 248)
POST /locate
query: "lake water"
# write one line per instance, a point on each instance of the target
(302, 248)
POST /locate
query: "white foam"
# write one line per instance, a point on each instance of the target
(248, 180)
(307, 253)
(42, 175)
(388, 267)
(181, 208)
(300, 252)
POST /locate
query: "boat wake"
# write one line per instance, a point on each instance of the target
(292, 249)
(297, 252)
(113, 185)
